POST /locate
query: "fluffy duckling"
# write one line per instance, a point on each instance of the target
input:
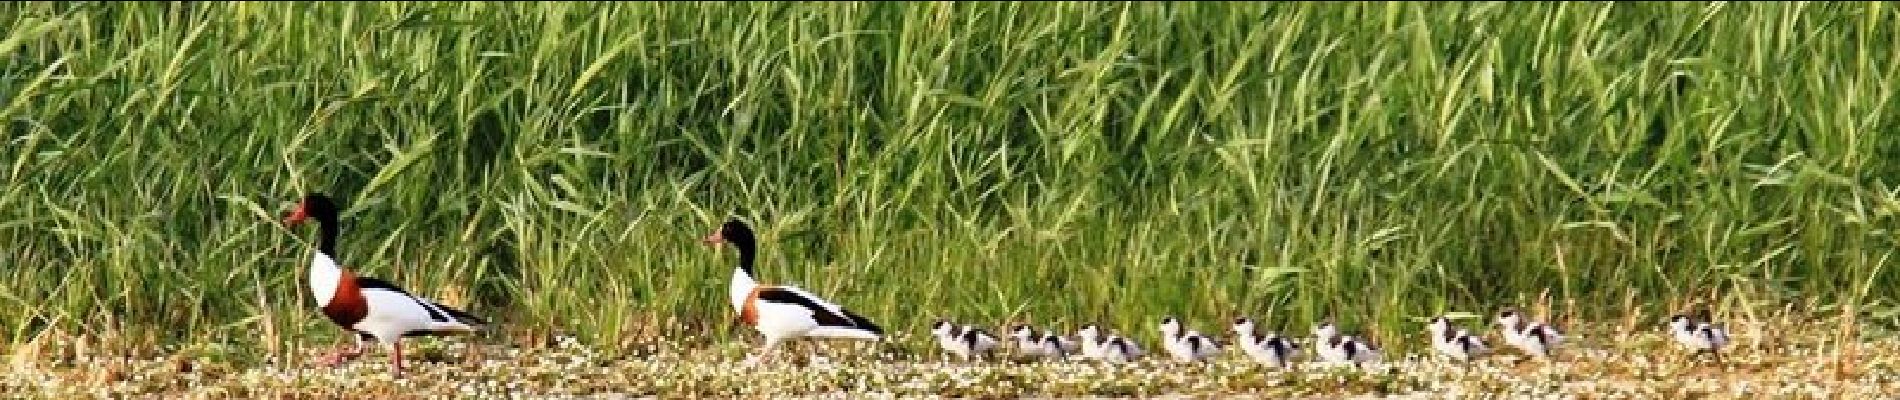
(1333, 347)
(1113, 348)
(1120, 350)
(1533, 338)
(1457, 343)
(1183, 344)
(1699, 337)
(1068, 345)
(1270, 349)
(964, 341)
(1049, 344)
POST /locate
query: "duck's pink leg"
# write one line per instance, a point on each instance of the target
(396, 357)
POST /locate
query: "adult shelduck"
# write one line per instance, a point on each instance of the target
(1535, 339)
(783, 312)
(371, 308)
(1698, 336)
(1454, 342)
(1269, 349)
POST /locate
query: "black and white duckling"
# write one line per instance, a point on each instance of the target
(1269, 349)
(1101, 346)
(1051, 346)
(1698, 336)
(964, 341)
(1185, 345)
(1454, 342)
(1120, 350)
(1331, 346)
(1048, 344)
(1533, 338)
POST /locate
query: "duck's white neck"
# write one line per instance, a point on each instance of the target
(324, 276)
(742, 285)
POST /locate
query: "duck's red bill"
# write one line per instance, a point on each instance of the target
(296, 217)
(715, 238)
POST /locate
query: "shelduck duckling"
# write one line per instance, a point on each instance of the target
(1032, 344)
(1051, 346)
(1120, 350)
(1092, 340)
(371, 308)
(1533, 338)
(1068, 345)
(783, 312)
(1699, 337)
(1114, 348)
(1183, 344)
(1270, 349)
(1457, 343)
(1334, 347)
(964, 341)
(948, 335)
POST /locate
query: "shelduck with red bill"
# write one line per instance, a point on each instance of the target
(783, 312)
(370, 308)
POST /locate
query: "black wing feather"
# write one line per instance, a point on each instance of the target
(462, 316)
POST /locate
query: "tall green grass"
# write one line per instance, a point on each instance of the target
(553, 166)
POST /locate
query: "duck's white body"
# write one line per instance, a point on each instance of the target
(389, 312)
(780, 320)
